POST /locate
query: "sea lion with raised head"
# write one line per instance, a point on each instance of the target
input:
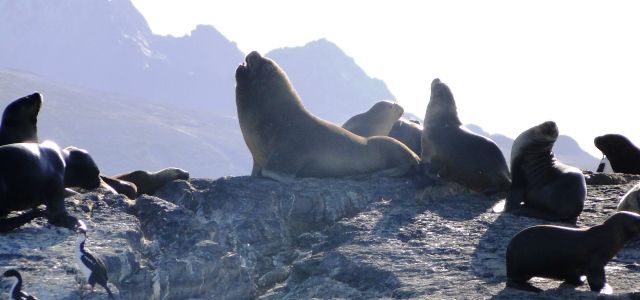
(454, 153)
(623, 155)
(377, 121)
(19, 120)
(34, 174)
(543, 187)
(286, 141)
(566, 253)
(408, 132)
(148, 183)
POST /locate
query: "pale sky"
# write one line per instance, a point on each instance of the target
(510, 64)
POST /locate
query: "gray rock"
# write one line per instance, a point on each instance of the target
(248, 238)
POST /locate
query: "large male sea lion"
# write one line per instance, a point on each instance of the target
(377, 121)
(543, 187)
(566, 253)
(286, 141)
(34, 174)
(621, 152)
(149, 182)
(455, 153)
(19, 120)
(408, 132)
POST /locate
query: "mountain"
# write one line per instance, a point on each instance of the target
(332, 86)
(124, 134)
(107, 45)
(566, 149)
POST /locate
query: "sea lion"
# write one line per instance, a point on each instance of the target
(543, 187)
(631, 200)
(377, 121)
(120, 186)
(408, 132)
(621, 152)
(148, 183)
(566, 253)
(286, 141)
(19, 120)
(457, 154)
(34, 174)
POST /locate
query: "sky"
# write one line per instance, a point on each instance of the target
(510, 64)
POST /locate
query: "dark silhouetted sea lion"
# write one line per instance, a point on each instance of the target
(621, 152)
(566, 253)
(377, 121)
(631, 200)
(543, 187)
(408, 132)
(19, 120)
(34, 174)
(286, 141)
(455, 153)
(148, 183)
(121, 187)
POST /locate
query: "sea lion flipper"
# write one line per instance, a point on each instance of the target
(596, 279)
(522, 285)
(256, 169)
(513, 200)
(12, 223)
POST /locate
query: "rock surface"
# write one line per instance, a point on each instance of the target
(248, 238)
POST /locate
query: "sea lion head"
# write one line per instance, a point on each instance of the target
(441, 109)
(259, 76)
(80, 170)
(625, 223)
(20, 119)
(537, 139)
(382, 107)
(613, 144)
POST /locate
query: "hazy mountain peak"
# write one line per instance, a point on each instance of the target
(331, 84)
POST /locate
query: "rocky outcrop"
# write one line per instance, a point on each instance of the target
(248, 238)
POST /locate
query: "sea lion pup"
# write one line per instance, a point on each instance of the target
(19, 120)
(377, 121)
(621, 152)
(34, 174)
(149, 182)
(286, 141)
(120, 186)
(457, 154)
(408, 132)
(566, 253)
(631, 200)
(543, 187)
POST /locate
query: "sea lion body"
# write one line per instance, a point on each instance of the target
(566, 253)
(408, 132)
(455, 153)
(543, 187)
(377, 121)
(631, 200)
(120, 186)
(149, 182)
(286, 141)
(19, 120)
(34, 174)
(621, 152)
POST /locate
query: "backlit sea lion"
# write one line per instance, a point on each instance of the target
(543, 187)
(455, 153)
(286, 141)
(377, 121)
(566, 253)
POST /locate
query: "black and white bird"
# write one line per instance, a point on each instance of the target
(16, 292)
(91, 266)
